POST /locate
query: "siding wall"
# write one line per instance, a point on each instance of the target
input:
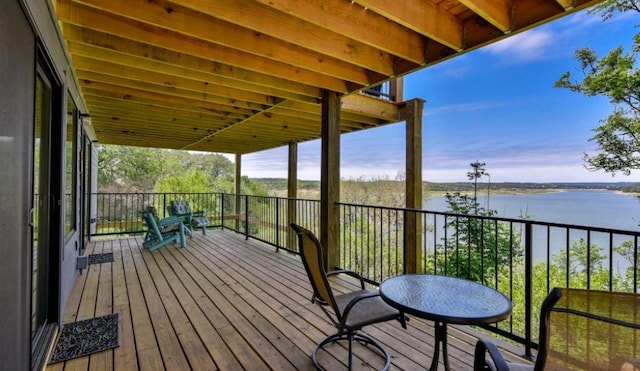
(22, 24)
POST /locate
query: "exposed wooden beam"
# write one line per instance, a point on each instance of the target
(496, 12)
(370, 106)
(265, 20)
(423, 17)
(94, 19)
(364, 26)
(200, 25)
(567, 4)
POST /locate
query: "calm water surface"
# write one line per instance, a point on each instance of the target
(579, 207)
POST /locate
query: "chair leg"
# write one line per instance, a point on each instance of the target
(183, 241)
(349, 337)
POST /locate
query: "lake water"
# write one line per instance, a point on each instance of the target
(578, 207)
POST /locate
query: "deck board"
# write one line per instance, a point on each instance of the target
(227, 303)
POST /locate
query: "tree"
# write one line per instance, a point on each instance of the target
(214, 165)
(192, 181)
(139, 169)
(129, 169)
(479, 247)
(477, 172)
(616, 77)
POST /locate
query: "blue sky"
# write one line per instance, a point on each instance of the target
(496, 105)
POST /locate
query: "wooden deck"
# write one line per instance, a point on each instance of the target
(227, 303)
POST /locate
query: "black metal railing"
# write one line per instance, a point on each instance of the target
(267, 219)
(382, 91)
(119, 213)
(521, 258)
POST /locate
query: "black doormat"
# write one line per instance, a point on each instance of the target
(101, 258)
(82, 338)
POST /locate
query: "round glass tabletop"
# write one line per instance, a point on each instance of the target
(445, 299)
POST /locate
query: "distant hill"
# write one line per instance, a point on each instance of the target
(631, 187)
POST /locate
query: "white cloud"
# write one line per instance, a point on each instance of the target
(527, 46)
(462, 107)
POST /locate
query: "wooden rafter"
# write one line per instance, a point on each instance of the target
(247, 75)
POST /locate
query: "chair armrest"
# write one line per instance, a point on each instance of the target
(200, 213)
(361, 296)
(479, 361)
(173, 220)
(349, 273)
(169, 220)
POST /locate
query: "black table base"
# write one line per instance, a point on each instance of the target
(441, 337)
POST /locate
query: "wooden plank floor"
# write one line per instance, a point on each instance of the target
(227, 303)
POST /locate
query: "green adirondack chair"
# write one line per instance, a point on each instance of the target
(161, 232)
(192, 219)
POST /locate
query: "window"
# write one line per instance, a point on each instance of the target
(70, 169)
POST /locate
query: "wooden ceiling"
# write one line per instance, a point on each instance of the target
(239, 76)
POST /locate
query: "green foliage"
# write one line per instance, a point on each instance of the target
(193, 181)
(581, 259)
(608, 8)
(616, 77)
(478, 249)
(128, 169)
(380, 191)
(560, 275)
(214, 166)
(138, 169)
(477, 173)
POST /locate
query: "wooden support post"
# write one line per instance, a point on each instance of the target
(413, 224)
(396, 89)
(237, 180)
(292, 193)
(330, 180)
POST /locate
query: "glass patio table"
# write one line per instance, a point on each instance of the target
(445, 300)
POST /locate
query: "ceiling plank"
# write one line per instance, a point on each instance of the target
(241, 98)
(305, 93)
(122, 85)
(105, 98)
(99, 88)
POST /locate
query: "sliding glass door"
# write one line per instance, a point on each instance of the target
(46, 222)
(40, 237)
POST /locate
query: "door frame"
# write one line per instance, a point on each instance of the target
(54, 192)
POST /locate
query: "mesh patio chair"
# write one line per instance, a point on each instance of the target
(349, 312)
(582, 330)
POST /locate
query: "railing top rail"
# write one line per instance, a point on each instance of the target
(400, 209)
(500, 219)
